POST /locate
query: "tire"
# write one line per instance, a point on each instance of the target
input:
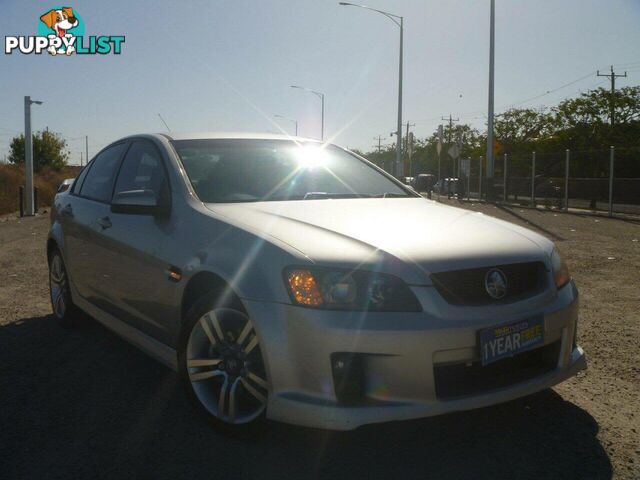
(221, 366)
(64, 311)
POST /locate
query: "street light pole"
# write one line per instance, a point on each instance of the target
(398, 144)
(320, 95)
(399, 21)
(491, 81)
(289, 119)
(321, 117)
(28, 154)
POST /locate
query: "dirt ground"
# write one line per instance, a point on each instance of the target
(83, 403)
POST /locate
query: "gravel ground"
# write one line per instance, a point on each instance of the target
(83, 403)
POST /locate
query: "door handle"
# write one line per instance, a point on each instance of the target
(67, 211)
(104, 222)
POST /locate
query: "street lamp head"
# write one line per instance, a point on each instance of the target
(37, 102)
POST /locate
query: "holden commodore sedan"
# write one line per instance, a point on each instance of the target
(289, 279)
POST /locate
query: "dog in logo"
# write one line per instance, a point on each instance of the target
(60, 21)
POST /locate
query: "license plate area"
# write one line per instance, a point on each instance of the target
(505, 341)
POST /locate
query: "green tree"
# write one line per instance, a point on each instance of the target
(383, 158)
(49, 149)
(580, 124)
(583, 122)
(518, 128)
(594, 107)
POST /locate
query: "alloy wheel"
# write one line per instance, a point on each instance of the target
(225, 367)
(58, 286)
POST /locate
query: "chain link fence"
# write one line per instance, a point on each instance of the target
(605, 180)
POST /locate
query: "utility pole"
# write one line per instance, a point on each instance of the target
(406, 138)
(80, 158)
(406, 147)
(379, 146)
(612, 103)
(86, 148)
(451, 120)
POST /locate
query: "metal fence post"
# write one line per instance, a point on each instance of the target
(566, 181)
(611, 161)
(480, 181)
(469, 182)
(505, 178)
(21, 198)
(533, 179)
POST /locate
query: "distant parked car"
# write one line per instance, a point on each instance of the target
(424, 182)
(66, 183)
(408, 180)
(546, 187)
(446, 185)
(548, 191)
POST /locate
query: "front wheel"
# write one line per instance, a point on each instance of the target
(221, 366)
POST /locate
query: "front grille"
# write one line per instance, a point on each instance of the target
(459, 380)
(467, 287)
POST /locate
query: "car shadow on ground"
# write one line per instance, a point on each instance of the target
(511, 211)
(83, 403)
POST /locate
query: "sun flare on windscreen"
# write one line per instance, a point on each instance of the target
(311, 157)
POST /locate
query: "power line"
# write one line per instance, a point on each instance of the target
(635, 62)
(548, 92)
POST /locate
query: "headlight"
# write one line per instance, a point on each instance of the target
(336, 289)
(560, 270)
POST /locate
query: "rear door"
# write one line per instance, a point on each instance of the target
(83, 219)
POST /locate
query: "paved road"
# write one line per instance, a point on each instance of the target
(83, 403)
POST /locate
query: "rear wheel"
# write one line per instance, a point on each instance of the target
(64, 311)
(221, 366)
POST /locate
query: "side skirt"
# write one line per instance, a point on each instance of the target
(158, 350)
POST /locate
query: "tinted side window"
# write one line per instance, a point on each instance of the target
(98, 183)
(142, 169)
(78, 183)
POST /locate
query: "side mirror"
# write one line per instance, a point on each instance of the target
(140, 202)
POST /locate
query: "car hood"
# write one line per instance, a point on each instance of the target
(412, 236)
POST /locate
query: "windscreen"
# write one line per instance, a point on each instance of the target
(240, 170)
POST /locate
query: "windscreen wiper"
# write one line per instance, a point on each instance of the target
(323, 195)
(390, 195)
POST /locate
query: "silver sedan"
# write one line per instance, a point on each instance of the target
(289, 279)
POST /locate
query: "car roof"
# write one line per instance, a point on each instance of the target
(233, 135)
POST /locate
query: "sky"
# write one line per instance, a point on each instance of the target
(227, 65)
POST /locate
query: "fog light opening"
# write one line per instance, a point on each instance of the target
(348, 378)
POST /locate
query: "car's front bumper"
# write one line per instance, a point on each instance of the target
(400, 351)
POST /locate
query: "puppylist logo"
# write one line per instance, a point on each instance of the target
(61, 32)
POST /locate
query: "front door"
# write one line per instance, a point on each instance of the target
(135, 244)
